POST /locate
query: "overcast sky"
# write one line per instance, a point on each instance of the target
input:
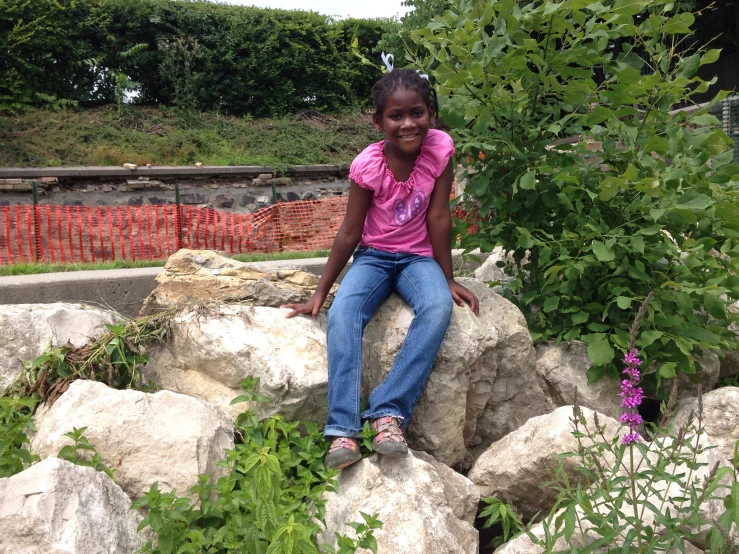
(338, 8)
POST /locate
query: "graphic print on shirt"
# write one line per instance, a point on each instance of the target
(407, 209)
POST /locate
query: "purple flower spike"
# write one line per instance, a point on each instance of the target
(631, 397)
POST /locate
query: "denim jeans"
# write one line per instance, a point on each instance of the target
(373, 276)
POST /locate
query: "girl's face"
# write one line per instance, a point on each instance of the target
(405, 120)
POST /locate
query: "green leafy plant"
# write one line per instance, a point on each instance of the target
(114, 358)
(497, 512)
(15, 424)
(578, 166)
(271, 499)
(82, 453)
(641, 492)
(720, 538)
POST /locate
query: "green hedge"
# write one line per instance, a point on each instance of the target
(195, 54)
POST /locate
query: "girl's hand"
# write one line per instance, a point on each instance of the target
(312, 307)
(462, 295)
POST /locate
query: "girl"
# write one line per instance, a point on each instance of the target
(398, 213)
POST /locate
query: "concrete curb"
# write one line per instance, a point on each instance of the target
(124, 290)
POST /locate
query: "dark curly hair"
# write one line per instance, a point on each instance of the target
(403, 79)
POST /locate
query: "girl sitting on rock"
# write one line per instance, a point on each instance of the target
(398, 214)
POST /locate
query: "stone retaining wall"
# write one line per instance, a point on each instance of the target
(236, 194)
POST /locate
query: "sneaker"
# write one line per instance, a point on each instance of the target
(389, 439)
(344, 451)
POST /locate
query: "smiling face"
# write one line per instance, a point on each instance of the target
(405, 121)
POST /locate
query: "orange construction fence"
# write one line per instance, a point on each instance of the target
(88, 234)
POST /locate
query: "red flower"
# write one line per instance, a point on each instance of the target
(481, 155)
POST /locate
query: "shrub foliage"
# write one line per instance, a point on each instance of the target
(578, 164)
(198, 54)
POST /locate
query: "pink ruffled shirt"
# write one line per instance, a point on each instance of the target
(396, 219)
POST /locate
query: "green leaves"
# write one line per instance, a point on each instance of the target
(82, 453)
(271, 500)
(600, 350)
(602, 252)
(601, 189)
(15, 425)
(498, 512)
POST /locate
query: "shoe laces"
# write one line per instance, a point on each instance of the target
(388, 428)
(343, 442)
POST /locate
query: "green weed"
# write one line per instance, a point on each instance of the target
(15, 424)
(82, 453)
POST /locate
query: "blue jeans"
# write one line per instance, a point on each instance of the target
(373, 276)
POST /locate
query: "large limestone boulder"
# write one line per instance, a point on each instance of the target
(706, 377)
(416, 507)
(27, 330)
(460, 492)
(562, 369)
(490, 271)
(211, 349)
(515, 467)
(56, 507)
(483, 384)
(165, 437)
(193, 276)
(729, 364)
(720, 418)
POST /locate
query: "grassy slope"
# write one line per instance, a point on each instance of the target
(143, 135)
(30, 269)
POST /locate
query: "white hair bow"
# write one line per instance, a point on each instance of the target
(388, 60)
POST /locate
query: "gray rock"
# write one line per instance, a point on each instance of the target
(729, 364)
(159, 201)
(411, 500)
(197, 276)
(211, 349)
(483, 384)
(56, 507)
(27, 330)
(247, 199)
(165, 437)
(562, 369)
(515, 467)
(720, 418)
(224, 201)
(193, 198)
(489, 270)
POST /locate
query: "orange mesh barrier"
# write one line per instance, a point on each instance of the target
(86, 234)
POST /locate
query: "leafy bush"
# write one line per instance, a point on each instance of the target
(578, 166)
(270, 501)
(198, 55)
(15, 423)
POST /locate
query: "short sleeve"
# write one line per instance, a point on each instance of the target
(438, 148)
(368, 168)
